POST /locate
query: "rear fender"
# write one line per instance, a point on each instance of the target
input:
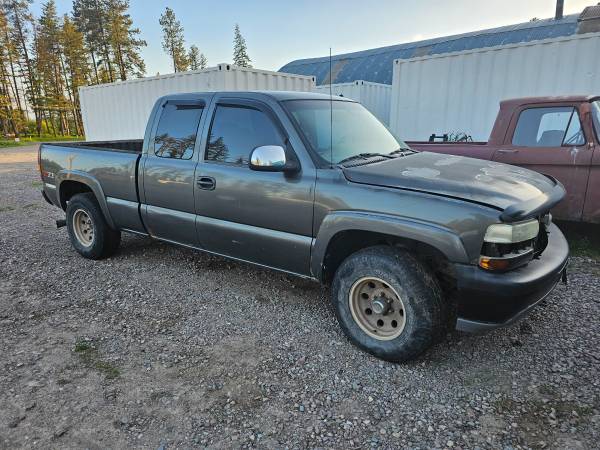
(443, 239)
(89, 181)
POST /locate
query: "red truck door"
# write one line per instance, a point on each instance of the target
(591, 210)
(551, 139)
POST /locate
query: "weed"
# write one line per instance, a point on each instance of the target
(90, 357)
(110, 372)
(83, 346)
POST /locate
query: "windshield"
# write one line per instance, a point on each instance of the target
(355, 130)
(596, 117)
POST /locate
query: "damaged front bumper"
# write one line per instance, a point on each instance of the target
(488, 300)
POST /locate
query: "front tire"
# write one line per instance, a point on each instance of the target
(88, 231)
(388, 303)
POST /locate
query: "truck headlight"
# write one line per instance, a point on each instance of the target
(505, 233)
(508, 246)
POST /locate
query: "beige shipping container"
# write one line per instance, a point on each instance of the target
(120, 110)
(461, 91)
(373, 96)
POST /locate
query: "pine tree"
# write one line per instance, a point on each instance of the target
(48, 67)
(123, 40)
(173, 40)
(76, 67)
(20, 20)
(11, 121)
(10, 91)
(193, 57)
(91, 18)
(202, 61)
(240, 51)
(196, 59)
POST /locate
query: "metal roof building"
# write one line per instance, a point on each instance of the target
(376, 65)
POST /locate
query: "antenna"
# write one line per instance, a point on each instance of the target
(330, 113)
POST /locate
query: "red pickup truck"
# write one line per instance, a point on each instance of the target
(558, 136)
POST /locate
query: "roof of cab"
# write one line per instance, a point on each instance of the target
(276, 95)
(548, 99)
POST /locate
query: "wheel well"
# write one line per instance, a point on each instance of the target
(344, 243)
(69, 188)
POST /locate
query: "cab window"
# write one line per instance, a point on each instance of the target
(596, 118)
(548, 127)
(236, 131)
(176, 131)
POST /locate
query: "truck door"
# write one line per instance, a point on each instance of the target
(551, 139)
(169, 168)
(591, 210)
(261, 217)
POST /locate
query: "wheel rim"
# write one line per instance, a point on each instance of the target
(377, 308)
(83, 228)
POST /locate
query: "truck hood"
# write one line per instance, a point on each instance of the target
(495, 184)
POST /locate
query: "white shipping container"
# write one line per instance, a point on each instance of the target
(375, 97)
(120, 110)
(461, 91)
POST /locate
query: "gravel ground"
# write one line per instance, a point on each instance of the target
(162, 347)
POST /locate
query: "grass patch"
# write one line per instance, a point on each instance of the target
(83, 347)
(36, 184)
(584, 247)
(6, 208)
(90, 357)
(35, 139)
(584, 238)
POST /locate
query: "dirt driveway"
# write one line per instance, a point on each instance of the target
(162, 347)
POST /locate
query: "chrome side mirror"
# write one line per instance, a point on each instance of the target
(271, 158)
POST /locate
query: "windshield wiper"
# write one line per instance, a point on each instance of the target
(362, 156)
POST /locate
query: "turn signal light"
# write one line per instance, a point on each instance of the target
(493, 263)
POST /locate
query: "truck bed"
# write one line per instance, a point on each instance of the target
(108, 167)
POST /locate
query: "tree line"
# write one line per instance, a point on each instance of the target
(174, 45)
(44, 60)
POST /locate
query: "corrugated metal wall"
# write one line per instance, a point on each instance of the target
(120, 110)
(373, 96)
(460, 92)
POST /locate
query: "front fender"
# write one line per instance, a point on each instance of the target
(443, 239)
(89, 181)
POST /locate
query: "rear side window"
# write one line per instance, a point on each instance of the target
(177, 129)
(548, 127)
(236, 131)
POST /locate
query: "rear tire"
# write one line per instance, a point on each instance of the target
(388, 303)
(88, 231)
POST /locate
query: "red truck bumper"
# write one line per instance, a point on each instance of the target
(488, 300)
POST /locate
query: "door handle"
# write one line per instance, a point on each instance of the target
(207, 183)
(508, 150)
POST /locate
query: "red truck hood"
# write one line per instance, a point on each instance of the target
(487, 182)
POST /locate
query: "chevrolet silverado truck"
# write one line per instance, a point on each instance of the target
(411, 243)
(558, 136)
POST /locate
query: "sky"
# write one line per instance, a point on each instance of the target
(280, 31)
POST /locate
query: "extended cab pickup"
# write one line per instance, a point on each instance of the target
(558, 136)
(411, 242)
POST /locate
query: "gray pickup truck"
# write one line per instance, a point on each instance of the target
(412, 243)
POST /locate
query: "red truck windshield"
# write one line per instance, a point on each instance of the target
(355, 129)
